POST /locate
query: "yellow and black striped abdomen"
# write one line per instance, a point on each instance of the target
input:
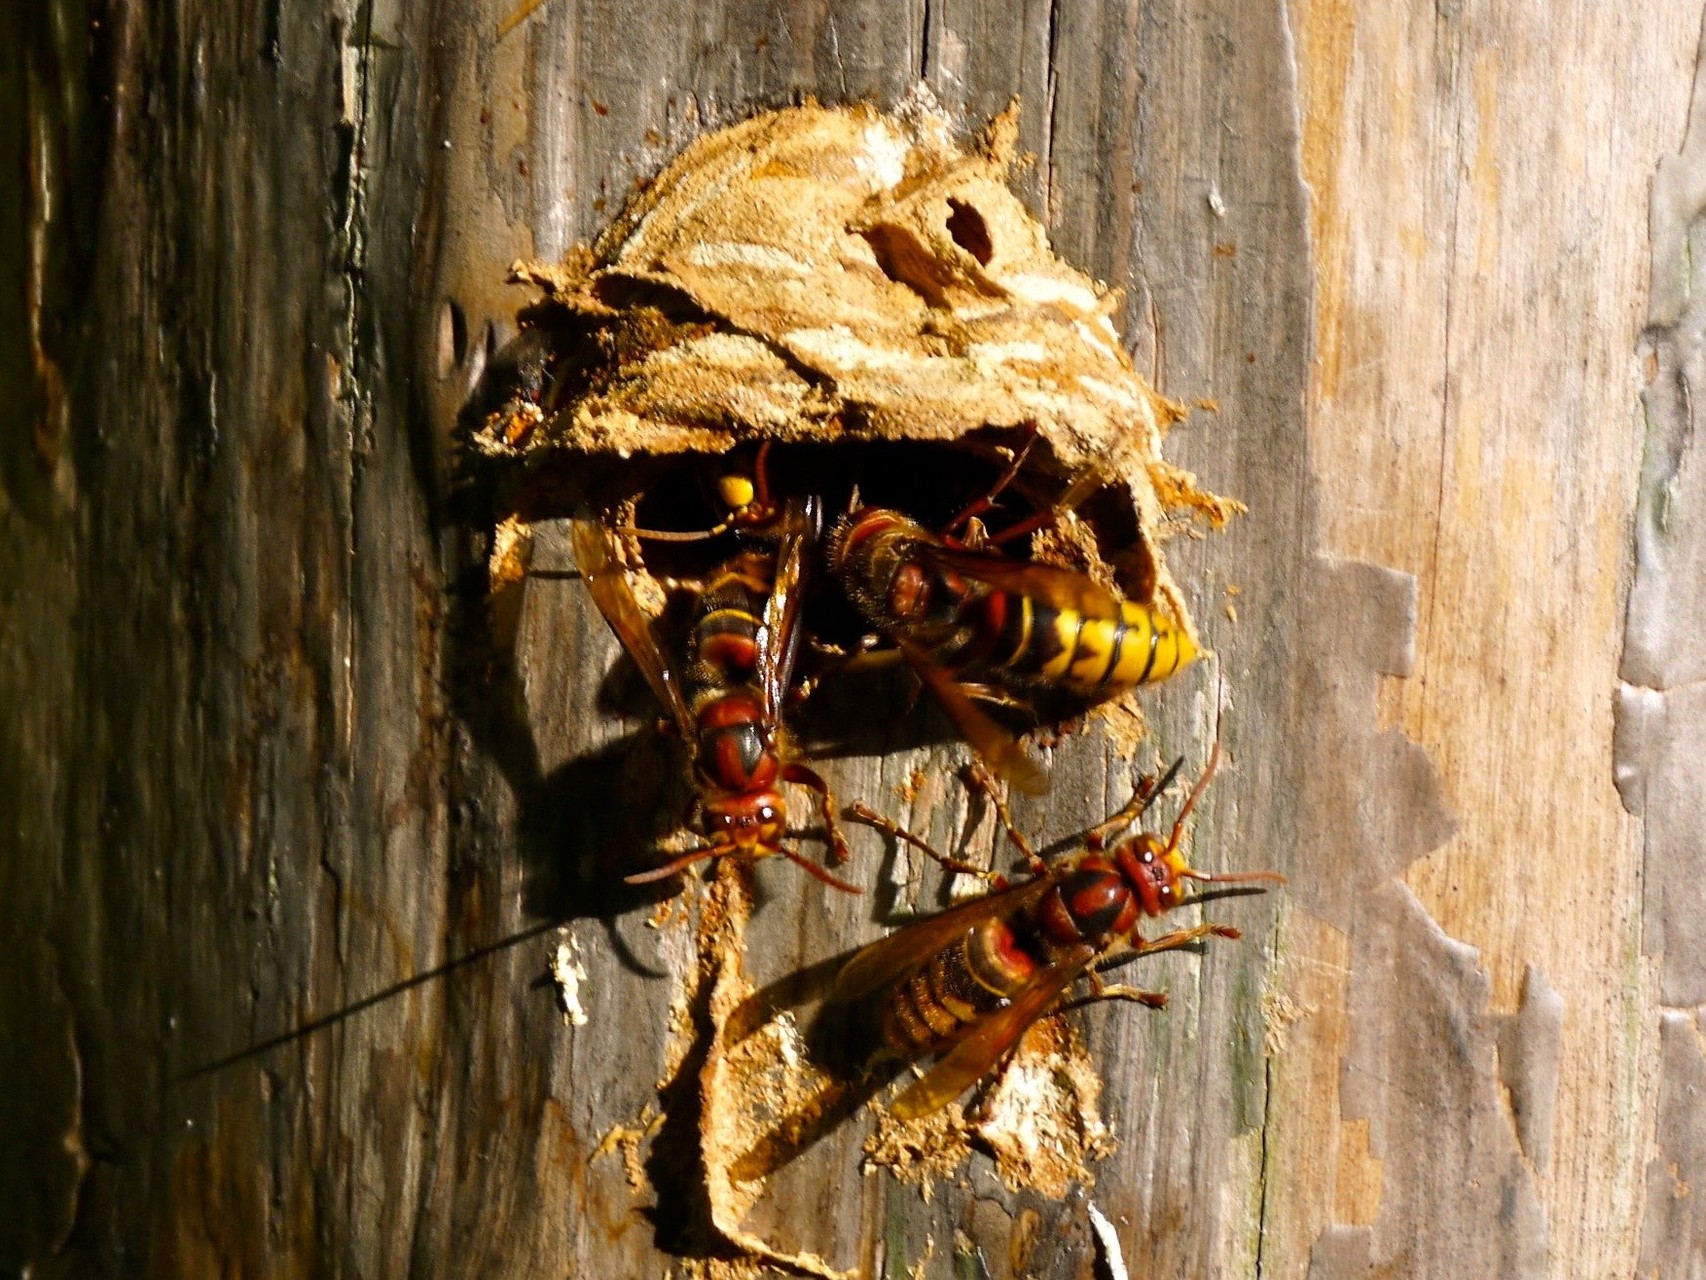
(1095, 656)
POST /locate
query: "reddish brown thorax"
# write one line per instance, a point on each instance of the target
(868, 546)
(875, 552)
(735, 752)
(862, 527)
(1091, 903)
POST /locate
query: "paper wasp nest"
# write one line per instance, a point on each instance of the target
(830, 275)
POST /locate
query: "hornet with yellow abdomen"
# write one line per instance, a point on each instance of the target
(976, 612)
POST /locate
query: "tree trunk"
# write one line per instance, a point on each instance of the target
(259, 761)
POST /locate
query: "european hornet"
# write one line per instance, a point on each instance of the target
(749, 509)
(726, 702)
(956, 611)
(966, 983)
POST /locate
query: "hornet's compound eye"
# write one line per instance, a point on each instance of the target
(1167, 887)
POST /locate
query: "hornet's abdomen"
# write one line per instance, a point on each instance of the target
(725, 633)
(956, 987)
(735, 748)
(891, 567)
(1092, 656)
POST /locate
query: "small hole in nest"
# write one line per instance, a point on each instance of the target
(452, 338)
(970, 231)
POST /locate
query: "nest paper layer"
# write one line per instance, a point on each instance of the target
(838, 274)
(815, 273)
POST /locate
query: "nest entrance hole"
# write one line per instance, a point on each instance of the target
(928, 481)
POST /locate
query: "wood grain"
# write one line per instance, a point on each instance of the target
(1471, 411)
(261, 758)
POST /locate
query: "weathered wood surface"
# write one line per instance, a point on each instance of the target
(258, 763)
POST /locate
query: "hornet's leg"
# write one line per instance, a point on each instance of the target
(996, 696)
(798, 773)
(674, 865)
(871, 817)
(1086, 484)
(1184, 937)
(834, 881)
(980, 778)
(1100, 835)
(987, 501)
(1101, 990)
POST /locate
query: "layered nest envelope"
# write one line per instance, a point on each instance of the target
(840, 277)
(832, 276)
